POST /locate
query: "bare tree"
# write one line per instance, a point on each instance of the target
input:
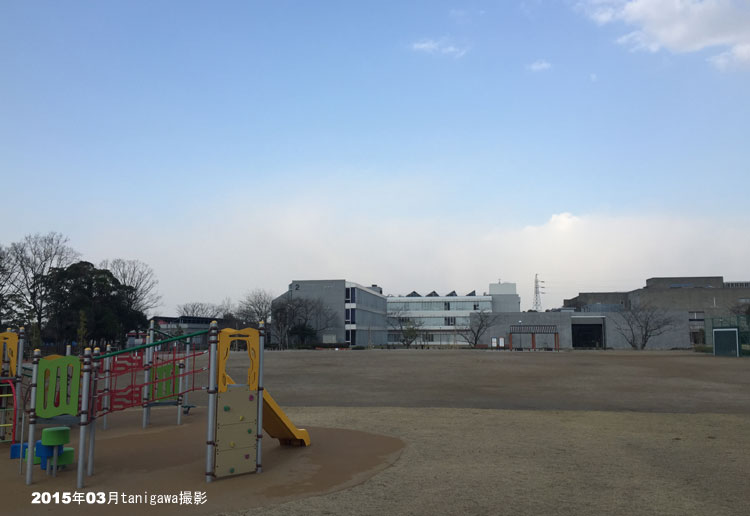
(479, 323)
(640, 322)
(303, 318)
(408, 328)
(140, 277)
(740, 309)
(226, 308)
(255, 306)
(198, 309)
(313, 317)
(284, 313)
(7, 271)
(32, 259)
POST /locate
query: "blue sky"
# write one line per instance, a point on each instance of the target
(417, 145)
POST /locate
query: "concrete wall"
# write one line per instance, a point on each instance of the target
(699, 294)
(686, 282)
(677, 337)
(371, 318)
(506, 303)
(502, 288)
(331, 293)
(713, 302)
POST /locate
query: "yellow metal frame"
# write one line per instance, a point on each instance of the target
(10, 340)
(251, 338)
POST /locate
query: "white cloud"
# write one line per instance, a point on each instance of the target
(681, 26)
(439, 47)
(736, 55)
(234, 246)
(539, 66)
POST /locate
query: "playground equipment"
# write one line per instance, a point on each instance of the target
(10, 383)
(52, 446)
(244, 410)
(157, 373)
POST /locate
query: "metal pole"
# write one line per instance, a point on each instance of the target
(180, 369)
(30, 452)
(53, 468)
(21, 421)
(259, 433)
(107, 402)
(147, 356)
(85, 384)
(212, 400)
(67, 350)
(20, 456)
(187, 354)
(92, 413)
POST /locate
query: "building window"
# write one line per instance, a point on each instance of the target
(347, 315)
(354, 295)
(476, 306)
(446, 306)
(353, 341)
(429, 337)
(348, 336)
(353, 316)
(450, 321)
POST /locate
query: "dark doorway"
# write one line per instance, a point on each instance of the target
(726, 343)
(587, 336)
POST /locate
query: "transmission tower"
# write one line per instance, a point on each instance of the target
(538, 291)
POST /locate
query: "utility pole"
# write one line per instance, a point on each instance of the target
(538, 291)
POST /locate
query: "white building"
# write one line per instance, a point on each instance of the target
(435, 320)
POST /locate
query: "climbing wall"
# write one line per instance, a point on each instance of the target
(236, 428)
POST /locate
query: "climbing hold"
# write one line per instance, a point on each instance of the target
(231, 470)
(231, 444)
(249, 430)
(247, 456)
(242, 418)
(252, 397)
(226, 408)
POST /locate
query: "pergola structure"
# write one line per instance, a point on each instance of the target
(534, 330)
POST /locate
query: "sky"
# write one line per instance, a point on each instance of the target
(417, 145)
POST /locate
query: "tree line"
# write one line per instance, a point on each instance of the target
(290, 323)
(45, 286)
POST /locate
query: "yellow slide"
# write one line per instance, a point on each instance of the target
(275, 421)
(279, 426)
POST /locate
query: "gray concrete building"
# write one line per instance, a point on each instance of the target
(701, 298)
(359, 312)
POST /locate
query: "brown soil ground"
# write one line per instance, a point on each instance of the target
(167, 459)
(577, 433)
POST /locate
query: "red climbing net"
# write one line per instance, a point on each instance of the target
(147, 378)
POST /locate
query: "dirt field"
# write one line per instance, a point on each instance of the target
(447, 432)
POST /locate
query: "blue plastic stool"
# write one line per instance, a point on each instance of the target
(15, 452)
(44, 453)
